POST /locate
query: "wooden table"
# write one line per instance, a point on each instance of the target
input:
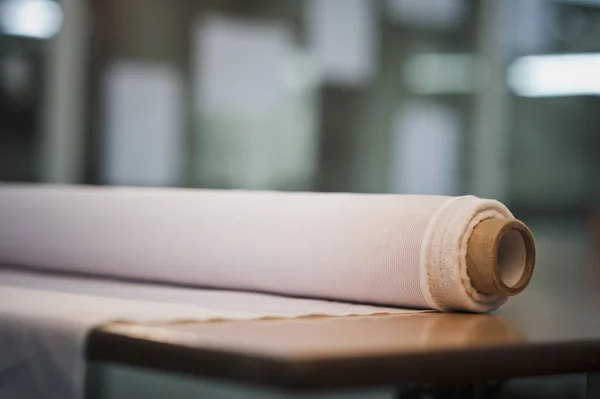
(550, 329)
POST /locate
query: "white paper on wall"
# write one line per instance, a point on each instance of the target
(431, 14)
(344, 37)
(425, 149)
(142, 140)
(254, 114)
(531, 22)
(239, 65)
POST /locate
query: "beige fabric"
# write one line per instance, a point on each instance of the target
(395, 250)
(401, 251)
(45, 318)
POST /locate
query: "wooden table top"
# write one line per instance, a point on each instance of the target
(552, 328)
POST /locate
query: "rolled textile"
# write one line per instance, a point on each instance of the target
(412, 251)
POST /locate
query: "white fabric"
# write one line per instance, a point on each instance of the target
(394, 250)
(352, 247)
(44, 320)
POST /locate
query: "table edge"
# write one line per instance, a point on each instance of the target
(455, 365)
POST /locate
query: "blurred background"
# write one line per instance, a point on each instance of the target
(497, 98)
(494, 98)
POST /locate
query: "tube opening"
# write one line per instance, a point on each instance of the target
(511, 257)
(500, 256)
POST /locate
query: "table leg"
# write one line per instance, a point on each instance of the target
(95, 380)
(593, 385)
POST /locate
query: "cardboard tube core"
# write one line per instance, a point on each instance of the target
(500, 256)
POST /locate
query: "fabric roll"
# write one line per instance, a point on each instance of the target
(404, 251)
